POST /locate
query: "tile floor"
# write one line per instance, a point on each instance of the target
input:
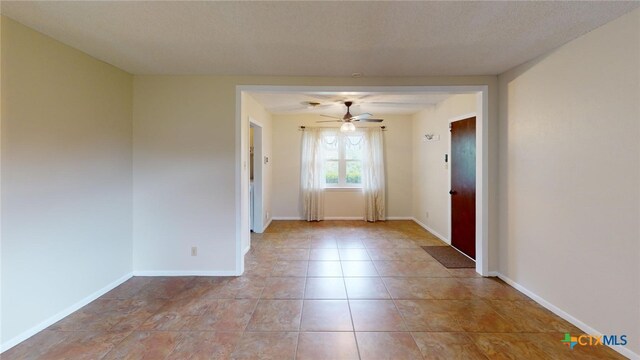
(329, 290)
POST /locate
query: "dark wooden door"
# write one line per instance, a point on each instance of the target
(463, 186)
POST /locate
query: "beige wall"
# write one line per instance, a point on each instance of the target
(184, 165)
(431, 179)
(570, 175)
(184, 175)
(66, 178)
(340, 203)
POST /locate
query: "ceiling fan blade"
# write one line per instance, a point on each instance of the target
(333, 117)
(328, 121)
(361, 116)
(371, 120)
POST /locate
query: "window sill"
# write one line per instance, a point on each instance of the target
(343, 189)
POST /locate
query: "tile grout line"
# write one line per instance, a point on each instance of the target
(304, 292)
(404, 320)
(353, 325)
(244, 330)
(487, 301)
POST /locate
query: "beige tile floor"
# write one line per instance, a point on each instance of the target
(329, 290)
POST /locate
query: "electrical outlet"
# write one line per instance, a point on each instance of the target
(266, 217)
(426, 215)
(194, 251)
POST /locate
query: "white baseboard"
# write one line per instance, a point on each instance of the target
(62, 314)
(326, 218)
(432, 231)
(246, 250)
(563, 314)
(362, 218)
(185, 273)
(339, 218)
(344, 218)
(267, 225)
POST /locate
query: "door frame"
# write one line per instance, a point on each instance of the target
(482, 155)
(258, 179)
(451, 120)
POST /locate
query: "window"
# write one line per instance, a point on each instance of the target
(343, 160)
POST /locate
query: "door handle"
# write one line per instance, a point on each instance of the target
(451, 192)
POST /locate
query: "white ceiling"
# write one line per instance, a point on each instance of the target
(332, 103)
(315, 38)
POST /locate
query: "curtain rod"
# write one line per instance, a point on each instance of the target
(384, 128)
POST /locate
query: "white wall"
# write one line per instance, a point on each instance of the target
(431, 182)
(340, 203)
(570, 175)
(66, 178)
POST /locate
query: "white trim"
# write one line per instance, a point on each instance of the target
(255, 122)
(482, 182)
(431, 231)
(258, 180)
(246, 250)
(185, 273)
(286, 218)
(238, 188)
(331, 90)
(340, 218)
(62, 314)
(563, 314)
(267, 225)
(482, 152)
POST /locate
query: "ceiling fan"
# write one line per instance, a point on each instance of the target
(349, 119)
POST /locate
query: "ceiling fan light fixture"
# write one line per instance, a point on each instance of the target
(347, 127)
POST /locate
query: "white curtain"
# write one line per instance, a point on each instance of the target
(373, 179)
(311, 172)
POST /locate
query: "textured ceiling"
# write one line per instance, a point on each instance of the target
(332, 103)
(315, 38)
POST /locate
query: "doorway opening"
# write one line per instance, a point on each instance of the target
(256, 181)
(480, 92)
